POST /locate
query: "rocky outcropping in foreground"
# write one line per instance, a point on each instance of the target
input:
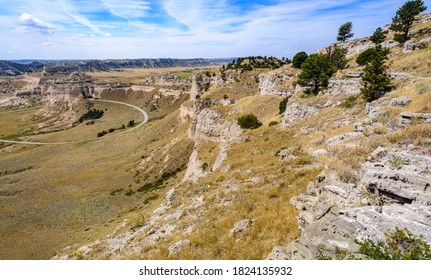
(394, 191)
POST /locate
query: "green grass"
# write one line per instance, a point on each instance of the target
(185, 74)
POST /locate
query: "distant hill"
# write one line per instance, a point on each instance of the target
(12, 68)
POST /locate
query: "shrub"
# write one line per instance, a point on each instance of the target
(101, 134)
(204, 166)
(92, 114)
(378, 36)
(283, 104)
(131, 123)
(349, 102)
(298, 59)
(366, 56)
(399, 245)
(249, 121)
(272, 123)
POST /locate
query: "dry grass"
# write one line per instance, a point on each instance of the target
(257, 187)
(77, 193)
(419, 134)
(208, 152)
(417, 63)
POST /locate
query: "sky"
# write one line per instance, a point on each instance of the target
(117, 29)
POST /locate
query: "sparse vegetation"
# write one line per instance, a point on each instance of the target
(399, 245)
(283, 104)
(349, 102)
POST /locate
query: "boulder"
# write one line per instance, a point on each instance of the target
(241, 226)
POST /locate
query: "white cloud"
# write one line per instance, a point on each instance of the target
(28, 23)
(127, 8)
(73, 12)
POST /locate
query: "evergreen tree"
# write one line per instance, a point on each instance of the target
(336, 57)
(298, 59)
(378, 36)
(375, 80)
(345, 32)
(404, 18)
(315, 72)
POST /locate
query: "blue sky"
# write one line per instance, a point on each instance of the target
(101, 29)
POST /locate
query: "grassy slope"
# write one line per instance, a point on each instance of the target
(63, 195)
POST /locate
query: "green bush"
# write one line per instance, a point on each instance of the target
(92, 114)
(366, 56)
(399, 245)
(349, 102)
(101, 134)
(298, 59)
(283, 104)
(273, 123)
(378, 36)
(249, 121)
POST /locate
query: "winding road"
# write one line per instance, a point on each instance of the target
(87, 140)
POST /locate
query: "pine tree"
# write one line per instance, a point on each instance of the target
(404, 18)
(315, 72)
(336, 57)
(378, 36)
(345, 32)
(376, 82)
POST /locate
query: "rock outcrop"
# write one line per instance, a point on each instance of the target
(394, 191)
(296, 112)
(350, 85)
(271, 83)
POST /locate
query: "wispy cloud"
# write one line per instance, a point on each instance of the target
(28, 23)
(128, 9)
(74, 13)
(184, 28)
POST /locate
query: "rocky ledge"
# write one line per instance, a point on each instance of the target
(394, 191)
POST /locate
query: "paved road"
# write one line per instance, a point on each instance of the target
(88, 140)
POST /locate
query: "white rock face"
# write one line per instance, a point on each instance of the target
(296, 112)
(357, 46)
(335, 214)
(269, 84)
(211, 127)
(347, 86)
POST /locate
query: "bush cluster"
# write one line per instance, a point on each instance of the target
(249, 121)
